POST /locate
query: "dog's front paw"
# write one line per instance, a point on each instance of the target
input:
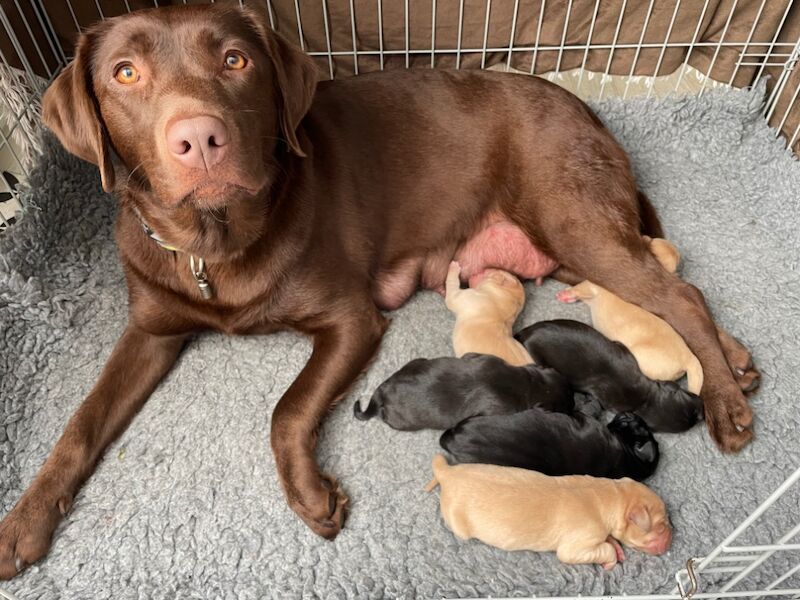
(25, 534)
(729, 418)
(321, 506)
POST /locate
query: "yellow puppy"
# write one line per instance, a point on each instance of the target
(577, 516)
(485, 315)
(660, 352)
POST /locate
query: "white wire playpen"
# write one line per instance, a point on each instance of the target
(596, 48)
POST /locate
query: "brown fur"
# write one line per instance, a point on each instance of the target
(577, 516)
(320, 214)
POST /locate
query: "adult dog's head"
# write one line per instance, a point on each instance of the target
(183, 110)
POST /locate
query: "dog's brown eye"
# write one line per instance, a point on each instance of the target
(126, 74)
(234, 60)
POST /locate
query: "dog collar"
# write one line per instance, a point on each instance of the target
(197, 265)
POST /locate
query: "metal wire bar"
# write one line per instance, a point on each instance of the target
(775, 37)
(698, 596)
(771, 499)
(513, 36)
(747, 42)
(588, 44)
(486, 33)
(460, 30)
(782, 578)
(271, 15)
(353, 35)
(47, 26)
(26, 66)
(327, 37)
(716, 52)
(788, 109)
(788, 67)
(768, 551)
(638, 48)
(299, 25)
(524, 48)
(664, 47)
(794, 136)
(433, 34)
(33, 38)
(407, 34)
(380, 30)
(538, 35)
(611, 51)
(692, 45)
(563, 39)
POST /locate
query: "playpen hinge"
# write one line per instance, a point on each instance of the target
(686, 594)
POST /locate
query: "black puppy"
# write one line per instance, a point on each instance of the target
(439, 393)
(557, 444)
(607, 371)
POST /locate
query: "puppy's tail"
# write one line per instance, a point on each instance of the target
(365, 415)
(694, 376)
(439, 465)
(648, 217)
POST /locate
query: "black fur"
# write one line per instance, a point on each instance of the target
(439, 393)
(607, 371)
(557, 444)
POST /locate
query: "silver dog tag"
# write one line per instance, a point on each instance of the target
(199, 273)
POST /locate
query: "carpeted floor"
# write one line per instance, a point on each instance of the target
(186, 503)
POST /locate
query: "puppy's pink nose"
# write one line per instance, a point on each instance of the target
(199, 142)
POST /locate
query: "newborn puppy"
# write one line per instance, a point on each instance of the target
(658, 349)
(557, 444)
(607, 371)
(665, 252)
(439, 393)
(486, 313)
(580, 518)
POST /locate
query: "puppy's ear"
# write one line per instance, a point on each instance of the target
(640, 516)
(646, 452)
(70, 110)
(296, 76)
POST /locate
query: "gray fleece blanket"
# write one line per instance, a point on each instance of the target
(186, 503)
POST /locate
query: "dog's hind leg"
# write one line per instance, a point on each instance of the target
(595, 234)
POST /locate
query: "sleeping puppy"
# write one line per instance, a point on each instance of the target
(580, 518)
(557, 444)
(658, 349)
(608, 372)
(665, 252)
(439, 393)
(486, 313)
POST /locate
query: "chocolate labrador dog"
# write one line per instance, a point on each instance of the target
(253, 199)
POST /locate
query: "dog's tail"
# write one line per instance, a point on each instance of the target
(648, 217)
(439, 464)
(694, 376)
(365, 415)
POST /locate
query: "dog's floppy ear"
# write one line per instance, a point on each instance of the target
(70, 110)
(295, 74)
(640, 517)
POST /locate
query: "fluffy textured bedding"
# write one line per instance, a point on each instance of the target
(186, 503)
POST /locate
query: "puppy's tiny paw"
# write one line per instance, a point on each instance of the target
(567, 296)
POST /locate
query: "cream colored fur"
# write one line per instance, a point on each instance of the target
(485, 315)
(579, 517)
(660, 352)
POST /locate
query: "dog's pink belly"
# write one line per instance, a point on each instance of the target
(500, 245)
(503, 245)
